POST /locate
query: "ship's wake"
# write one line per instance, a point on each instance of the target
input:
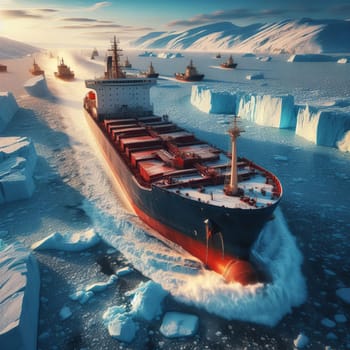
(189, 282)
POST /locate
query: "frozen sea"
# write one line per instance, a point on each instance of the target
(75, 192)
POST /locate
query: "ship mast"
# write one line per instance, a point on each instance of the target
(116, 71)
(231, 188)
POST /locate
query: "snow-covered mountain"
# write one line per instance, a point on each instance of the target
(12, 49)
(288, 36)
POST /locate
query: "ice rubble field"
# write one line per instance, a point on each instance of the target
(167, 267)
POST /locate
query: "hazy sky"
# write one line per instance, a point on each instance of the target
(82, 22)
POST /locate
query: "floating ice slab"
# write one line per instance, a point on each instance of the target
(176, 324)
(86, 293)
(147, 300)
(17, 163)
(301, 341)
(264, 58)
(310, 58)
(212, 101)
(256, 76)
(8, 108)
(344, 294)
(342, 60)
(167, 55)
(325, 128)
(120, 323)
(69, 241)
(19, 298)
(276, 111)
(37, 86)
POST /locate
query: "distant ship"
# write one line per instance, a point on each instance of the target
(218, 55)
(35, 69)
(94, 53)
(127, 64)
(210, 202)
(64, 72)
(3, 68)
(150, 73)
(229, 63)
(190, 74)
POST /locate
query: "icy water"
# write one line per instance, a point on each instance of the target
(73, 193)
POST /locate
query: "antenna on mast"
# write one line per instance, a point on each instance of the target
(113, 66)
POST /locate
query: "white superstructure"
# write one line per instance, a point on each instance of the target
(118, 94)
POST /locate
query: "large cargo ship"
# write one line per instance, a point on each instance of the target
(210, 202)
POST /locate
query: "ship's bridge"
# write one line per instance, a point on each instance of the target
(120, 96)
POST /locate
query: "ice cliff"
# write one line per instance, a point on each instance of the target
(276, 111)
(326, 127)
(322, 127)
(8, 108)
(212, 101)
(19, 298)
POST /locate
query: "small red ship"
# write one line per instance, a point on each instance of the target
(64, 72)
(36, 70)
(212, 203)
(229, 63)
(191, 74)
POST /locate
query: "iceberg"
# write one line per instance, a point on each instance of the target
(275, 111)
(147, 298)
(310, 58)
(255, 76)
(268, 110)
(178, 324)
(69, 241)
(19, 298)
(323, 127)
(213, 101)
(8, 109)
(342, 60)
(17, 163)
(37, 86)
(167, 55)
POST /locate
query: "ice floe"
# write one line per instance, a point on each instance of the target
(146, 305)
(177, 324)
(17, 162)
(75, 241)
(255, 76)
